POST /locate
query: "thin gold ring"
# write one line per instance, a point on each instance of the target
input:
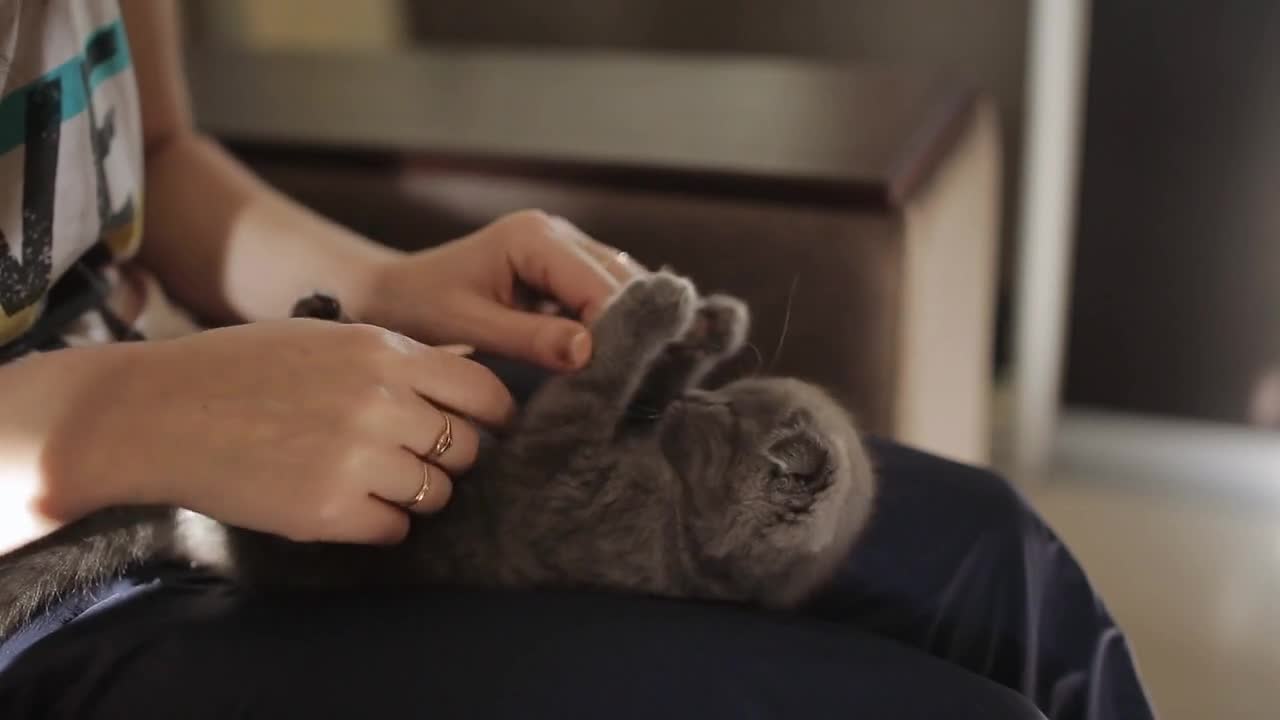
(422, 491)
(445, 441)
(622, 259)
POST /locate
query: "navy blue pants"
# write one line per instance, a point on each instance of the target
(959, 603)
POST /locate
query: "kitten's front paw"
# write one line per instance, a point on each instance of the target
(660, 306)
(721, 326)
(320, 307)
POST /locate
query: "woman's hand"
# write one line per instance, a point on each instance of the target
(308, 429)
(465, 291)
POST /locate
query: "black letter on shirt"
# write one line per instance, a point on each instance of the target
(102, 48)
(24, 281)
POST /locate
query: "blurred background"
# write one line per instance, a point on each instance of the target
(1042, 235)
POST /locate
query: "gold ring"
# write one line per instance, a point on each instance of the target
(622, 259)
(445, 441)
(422, 491)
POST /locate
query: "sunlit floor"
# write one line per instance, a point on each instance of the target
(1193, 578)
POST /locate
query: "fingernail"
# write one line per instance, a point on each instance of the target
(579, 350)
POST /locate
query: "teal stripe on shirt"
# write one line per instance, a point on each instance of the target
(75, 96)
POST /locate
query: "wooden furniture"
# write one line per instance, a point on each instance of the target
(855, 208)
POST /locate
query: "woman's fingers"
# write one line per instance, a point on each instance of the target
(406, 482)
(447, 380)
(460, 350)
(617, 263)
(552, 342)
(438, 437)
(410, 450)
(374, 521)
(554, 257)
(547, 254)
(463, 386)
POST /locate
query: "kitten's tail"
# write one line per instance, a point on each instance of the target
(78, 557)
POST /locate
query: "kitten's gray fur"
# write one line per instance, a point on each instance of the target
(622, 476)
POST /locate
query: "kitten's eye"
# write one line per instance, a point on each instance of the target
(782, 481)
(785, 479)
(801, 455)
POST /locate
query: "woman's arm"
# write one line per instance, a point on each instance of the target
(231, 248)
(42, 394)
(221, 241)
(304, 429)
(308, 429)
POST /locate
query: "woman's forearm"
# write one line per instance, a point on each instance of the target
(220, 240)
(46, 398)
(231, 248)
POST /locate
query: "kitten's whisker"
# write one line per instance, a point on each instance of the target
(786, 321)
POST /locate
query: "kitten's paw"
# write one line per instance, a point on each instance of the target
(320, 307)
(720, 326)
(660, 306)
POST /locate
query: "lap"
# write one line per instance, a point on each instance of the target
(958, 587)
(206, 650)
(956, 562)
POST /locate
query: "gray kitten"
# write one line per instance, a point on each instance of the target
(620, 477)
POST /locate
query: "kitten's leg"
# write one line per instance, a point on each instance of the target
(78, 556)
(649, 314)
(718, 332)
